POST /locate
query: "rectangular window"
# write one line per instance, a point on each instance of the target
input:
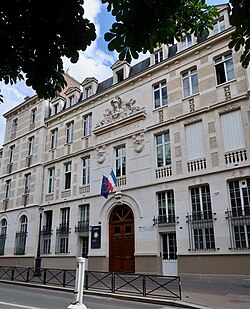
(158, 56)
(201, 203)
(160, 94)
(56, 108)
(12, 148)
(84, 212)
(65, 218)
(8, 188)
(51, 179)
(14, 125)
(64, 244)
(67, 175)
(166, 208)
(33, 115)
(232, 131)
(169, 246)
(120, 161)
(54, 136)
(190, 83)
(85, 171)
(224, 68)
(120, 75)
(88, 92)
(69, 132)
(201, 220)
(219, 25)
(71, 100)
(27, 180)
(87, 125)
(30, 145)
(85, 247)
(195, 141)
(239, 191)
(163, 150)
(186, 42)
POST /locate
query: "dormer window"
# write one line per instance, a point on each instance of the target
(88, 92)
(219, 25)
(158, 56)
(120, 75)
(56, 108)
(186, 42)
(71, 100)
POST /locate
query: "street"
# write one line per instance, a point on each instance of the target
(19, 296)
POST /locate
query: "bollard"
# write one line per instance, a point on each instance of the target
(79, 285)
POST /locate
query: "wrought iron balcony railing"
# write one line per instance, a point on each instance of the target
(82, 226)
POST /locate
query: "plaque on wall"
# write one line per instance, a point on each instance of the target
(95, 237)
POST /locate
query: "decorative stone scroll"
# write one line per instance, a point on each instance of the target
(138, 141)
(119, 110)
(101, 154)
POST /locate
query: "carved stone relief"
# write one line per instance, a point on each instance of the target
(138, 141)
(119, 110)
(101, 154)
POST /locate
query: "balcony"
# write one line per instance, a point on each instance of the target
(197, 165)
(63, 229)
(82, 226)
(165, 219)
(46, 230)
(235, 157)
(164, 171)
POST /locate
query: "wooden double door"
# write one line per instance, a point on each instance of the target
(121, 240)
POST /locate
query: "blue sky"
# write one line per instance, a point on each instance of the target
(95, 61)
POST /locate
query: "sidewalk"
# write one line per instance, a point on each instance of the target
(216, 293)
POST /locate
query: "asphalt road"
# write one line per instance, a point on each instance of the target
(23, 297)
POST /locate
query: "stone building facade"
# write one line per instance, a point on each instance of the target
(175, 130)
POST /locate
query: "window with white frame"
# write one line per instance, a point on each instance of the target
(166, 209)
(27, 181)
(120, 75)
(224, 68)
(85, 171)
(232, 131)
(219, 25)
(69, 132)
(12, 149)
(71, 100)
(63, 232)
(195, 141)
(201, 230)
(169, 246)
(65, 212)
(84, 213)
(186, 41)
(14, 125)
(239, 192)
(3, 235)
(33, 115)
(87, 124)
(67, 175)
(88, 92)
(201, 202)
(120, 161)
(7, 189)
(190, 82)
(158, 56)
(160, 94)
(163, 150)
(53, 141)
(56, 108)
(31, 145)
(51, 180)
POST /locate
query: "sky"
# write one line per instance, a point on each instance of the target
(96, 61)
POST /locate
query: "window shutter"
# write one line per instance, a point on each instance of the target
(232, 130)
(195, 141)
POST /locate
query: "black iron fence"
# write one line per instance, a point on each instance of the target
(167, 287)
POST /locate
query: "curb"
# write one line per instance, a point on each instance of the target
(151, 300)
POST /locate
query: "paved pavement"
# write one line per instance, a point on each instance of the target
(219, 294)
(200, 293)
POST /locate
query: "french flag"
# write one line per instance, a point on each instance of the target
(111, 181)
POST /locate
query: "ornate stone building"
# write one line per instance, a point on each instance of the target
(175, 130)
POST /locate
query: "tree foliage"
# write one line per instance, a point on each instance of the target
(35, 35)
(240, 18)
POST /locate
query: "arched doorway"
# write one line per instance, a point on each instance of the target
(121, 240)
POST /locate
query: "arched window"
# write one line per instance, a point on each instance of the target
(21, 236)
(3, 234)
